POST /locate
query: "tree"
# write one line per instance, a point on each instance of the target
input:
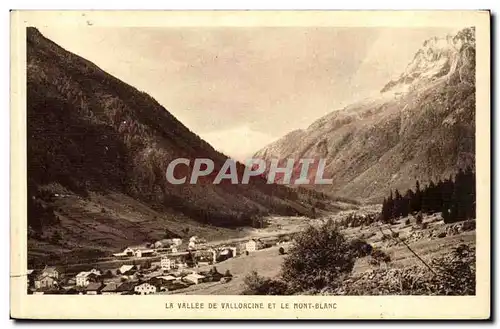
(398, 202)
(228, 274)
(281, 251)
(416, 203)
(319, 258)
(259, 285)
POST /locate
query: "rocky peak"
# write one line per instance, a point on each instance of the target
(437, 59)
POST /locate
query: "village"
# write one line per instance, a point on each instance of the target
(162, 267)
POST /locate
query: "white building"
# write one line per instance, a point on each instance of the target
(145, 289)
(143, 252)
(126, 269)
(177, 242)
(83, 279)
(195, 278)
(168, 278)
(253, 245)
(125, 253)
(167, 263)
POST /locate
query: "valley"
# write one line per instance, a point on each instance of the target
(105, 203)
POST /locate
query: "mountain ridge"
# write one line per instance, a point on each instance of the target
(94, 140)
(421, 126)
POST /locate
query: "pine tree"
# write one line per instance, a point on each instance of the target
(390, 207)
(416, 202)
(396, 212)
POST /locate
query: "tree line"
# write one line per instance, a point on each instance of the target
(454, 197)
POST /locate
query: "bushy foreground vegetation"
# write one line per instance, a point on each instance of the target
(455, 274)
(322, 259)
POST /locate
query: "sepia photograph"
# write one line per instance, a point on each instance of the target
(291, 160)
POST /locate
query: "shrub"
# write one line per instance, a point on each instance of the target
(360, 248)
(380, 256)
(407, 221)
(228, 274)
(441, 235)
(318, 259)
(425, 225)
(259, 285)
(395, 234)
(281, 251)
(469, 225)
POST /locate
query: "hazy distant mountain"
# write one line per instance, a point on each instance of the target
(422, 126)
(98, 150)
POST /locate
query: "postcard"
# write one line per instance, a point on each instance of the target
(250, 165)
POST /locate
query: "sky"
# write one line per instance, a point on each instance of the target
(241, 88)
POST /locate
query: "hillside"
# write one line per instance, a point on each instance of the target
(98, 150)
(421, 126)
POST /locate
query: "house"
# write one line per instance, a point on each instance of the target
(227, 252)
(110, 289)
(125, 253)
(94, 288)
(95, 271)
(192, 242)
(83, 279)
(253, 245)
(127, 269)
(163, 243)
(167, 263)
(126, 288)
(195, 278)
(44, 282)
(145, 289)
(162, 282)
(177, 242)
(211, 276)
(144, 252)
(173, 250)
(167, 278)
(51, 271)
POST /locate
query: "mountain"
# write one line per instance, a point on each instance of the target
(97, 152)
(420, 127)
